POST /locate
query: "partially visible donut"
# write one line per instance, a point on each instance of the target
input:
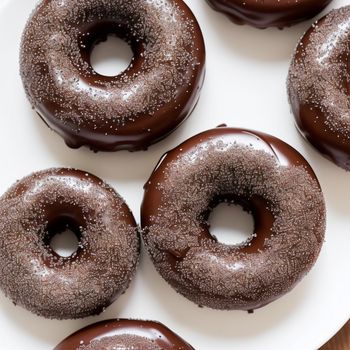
(124, 335)
(132, 110)
(33, 276)
(318, 86)
(269, 13)
(269, 179)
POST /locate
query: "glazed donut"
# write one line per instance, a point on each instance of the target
(34, 276)
(270, 180)
(318, 86)
(124, 334)
(132, 110)
(269, 13)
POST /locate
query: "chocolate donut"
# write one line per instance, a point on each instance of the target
(269, 13)
(34, 276)
(124, 335)
(266, 177)
(132, 110)
(318, 86)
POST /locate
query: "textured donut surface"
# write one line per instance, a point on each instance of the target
(132, 110)
(34, 276)
(264, 175)
(269, 13)
(124, 335)
(318, 86)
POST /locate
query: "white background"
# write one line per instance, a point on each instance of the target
(244, 87)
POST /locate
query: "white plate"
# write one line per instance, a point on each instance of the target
(244, 87)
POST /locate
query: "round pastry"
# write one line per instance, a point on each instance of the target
(269, 13)
(34, 276)
(132, 110)
(124, 335)
(318, 86)
(266, 177)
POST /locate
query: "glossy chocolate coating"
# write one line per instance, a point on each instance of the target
(269, 179)
(124, 335)
(269, 13)
(132, 110)
(318, 86)
(35, 277)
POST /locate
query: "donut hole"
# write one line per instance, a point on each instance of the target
(63, 236)
(230, 224)
(111, 57)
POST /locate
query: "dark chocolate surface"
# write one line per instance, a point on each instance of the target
(268, 178)
(33, 276)
(132, 110)
(318, 86)
(269, 13)
(124, 335)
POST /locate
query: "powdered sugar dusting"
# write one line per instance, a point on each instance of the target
(33, 276)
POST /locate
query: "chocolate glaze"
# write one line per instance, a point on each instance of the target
(318, 86)
(45, 203)
(132, 110)
(269, 179)
(269, 13)
(124, 335)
